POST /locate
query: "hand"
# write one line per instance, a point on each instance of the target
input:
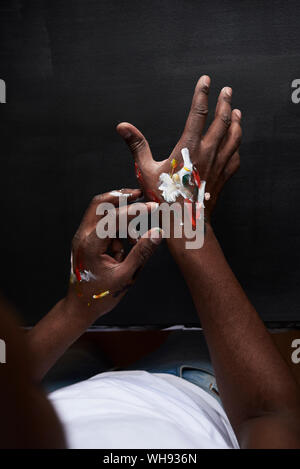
(100, 273)
(215, 154)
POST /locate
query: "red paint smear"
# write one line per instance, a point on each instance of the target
(78, 267)
(196, 177)
(198, 211)
(138, 172)
(77, 273)
(190, 211)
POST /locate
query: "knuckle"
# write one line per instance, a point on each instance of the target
(232, 167)
(81, 242)
(220, 163)
(85, 243)
(77, 239)
(145, 252)
(236, 133)
(190, 142)
(138, 145)
(238, 139)
(239, 134)
(200, 109)
(208, 147)
(226, 119)
(96, 199)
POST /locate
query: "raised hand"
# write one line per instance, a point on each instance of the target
(100, 272)
(214, 154)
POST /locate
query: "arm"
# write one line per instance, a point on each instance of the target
(100, 277)
(257, 389)
(27, 417)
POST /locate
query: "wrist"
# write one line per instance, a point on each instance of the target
(180, 243)
(78, 309)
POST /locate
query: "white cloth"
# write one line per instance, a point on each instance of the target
(137, 409)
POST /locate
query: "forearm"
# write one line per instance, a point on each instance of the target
(252, 377)
(54, 334)
(23, 406)
(109, 277)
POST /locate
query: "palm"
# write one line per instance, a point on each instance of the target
(215, 154)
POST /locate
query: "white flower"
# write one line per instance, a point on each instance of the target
(169, 188)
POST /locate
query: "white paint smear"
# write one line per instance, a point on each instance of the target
(119, 194)
(172, 187)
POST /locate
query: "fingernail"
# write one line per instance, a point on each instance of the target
(156, 235)
(134, 192)
(205, 80)
(238, 113)
(125, 133)
(227, 90)
(119, 255)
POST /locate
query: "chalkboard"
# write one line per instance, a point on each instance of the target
(75, 68)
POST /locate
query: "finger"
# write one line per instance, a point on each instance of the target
(232, 140)
(232, 166)
(127, 213)
(222, 120)
(137, 143)
(198, 112)
(116, 220)
(113, 197)
(117, 250)
(91, 218)
(141, 252)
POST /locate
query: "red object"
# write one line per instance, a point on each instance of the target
(79, 267)
(198, 210)
(190, 210)
(138, 172)
(77, 273)
(196, 177)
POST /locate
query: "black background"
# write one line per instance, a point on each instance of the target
(75, 68)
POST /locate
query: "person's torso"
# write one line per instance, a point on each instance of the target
(136, 409)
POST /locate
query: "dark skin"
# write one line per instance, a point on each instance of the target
(259, 394)
(27, 417)
(257, 389)
(214, 154)
(112, 272)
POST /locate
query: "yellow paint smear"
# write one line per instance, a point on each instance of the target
(101, 295)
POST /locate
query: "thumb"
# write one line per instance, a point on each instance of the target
(142, 251)
(137, 143)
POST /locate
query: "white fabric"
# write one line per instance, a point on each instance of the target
(137, 409)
